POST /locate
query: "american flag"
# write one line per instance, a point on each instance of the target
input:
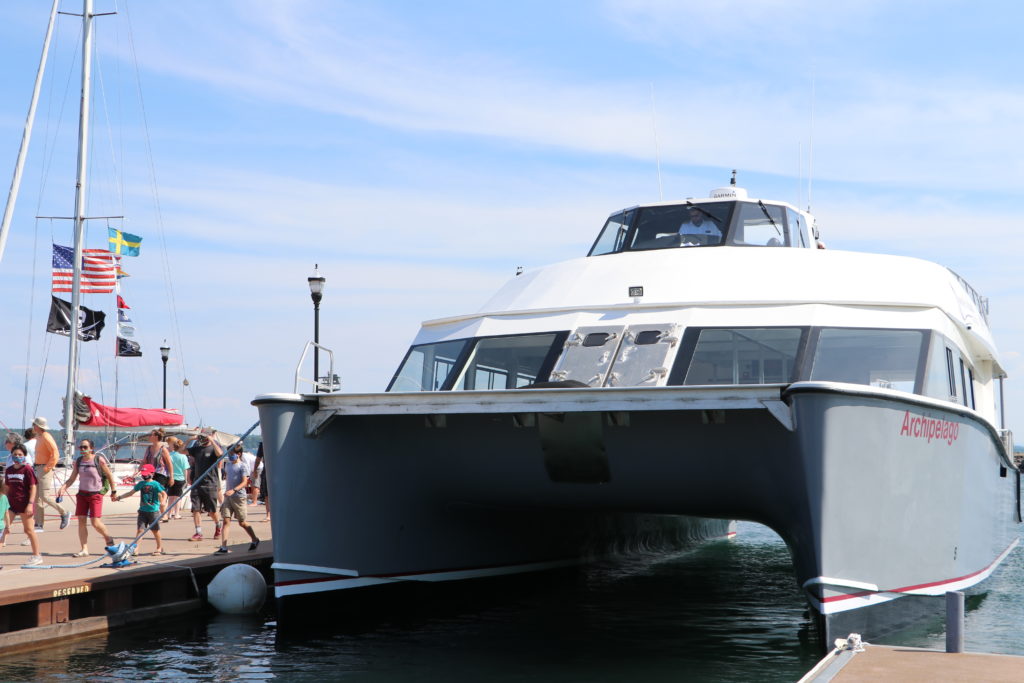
(99, 270)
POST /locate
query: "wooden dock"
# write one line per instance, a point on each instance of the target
(912, 665)
(40, 606)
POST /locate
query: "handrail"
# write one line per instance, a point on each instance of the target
(318, 386)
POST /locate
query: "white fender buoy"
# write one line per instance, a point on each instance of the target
(237, 589)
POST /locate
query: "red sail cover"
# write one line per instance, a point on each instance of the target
(108, 416)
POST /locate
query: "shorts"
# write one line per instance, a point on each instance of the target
(233, 506)
(147, 517)
(89, 504)
(176, 488)
(162, 479)
(19, 509)
(204, 499)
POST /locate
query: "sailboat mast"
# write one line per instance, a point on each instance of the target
(19, 166)
(83, 149)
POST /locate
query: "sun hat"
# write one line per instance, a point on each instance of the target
(41, 422)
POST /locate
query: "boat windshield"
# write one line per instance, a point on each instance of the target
(507, 362)
(694, 224)
(427, 366)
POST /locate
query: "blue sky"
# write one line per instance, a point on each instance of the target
(421, 152)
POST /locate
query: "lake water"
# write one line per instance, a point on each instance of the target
(723, 611)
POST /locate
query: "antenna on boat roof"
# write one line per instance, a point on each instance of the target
(799, 173)
(657, 148)
(732, 181)
(810, 144)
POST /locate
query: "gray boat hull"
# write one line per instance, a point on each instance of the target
(376, 489)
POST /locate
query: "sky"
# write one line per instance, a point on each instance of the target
(419, 153)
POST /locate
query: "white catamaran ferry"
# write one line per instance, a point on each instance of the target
(707, 361)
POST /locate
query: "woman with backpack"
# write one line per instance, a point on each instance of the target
(159, 456)
(90, 469)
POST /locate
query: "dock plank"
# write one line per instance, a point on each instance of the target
(913, 665)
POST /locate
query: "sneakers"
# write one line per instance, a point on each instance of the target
(222, 551)
(216, 533)
(196, 537)
(34, 561)
(65, 517)
(40, 530)
(255, 544)
(26, 542)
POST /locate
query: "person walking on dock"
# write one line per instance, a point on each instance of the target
(10, 441)
(180, 461)
(237, 474)
(90, 469)
(20, 480)
(152, 503)
(47, 457)
(159, 456)
(205, 452)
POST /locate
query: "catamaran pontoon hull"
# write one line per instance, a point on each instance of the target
(878, 494)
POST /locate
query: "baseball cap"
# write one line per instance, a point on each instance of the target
(147, 469)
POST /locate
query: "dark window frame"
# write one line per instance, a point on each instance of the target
(951, 374)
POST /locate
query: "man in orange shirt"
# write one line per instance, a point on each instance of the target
(47, 456)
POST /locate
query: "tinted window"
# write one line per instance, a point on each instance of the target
(760, 225)
(613, 234)
(647, 337)
(661, 227)
(596, 339)
(881, 358)
(744, 356)
(508, 362)
(427, 366)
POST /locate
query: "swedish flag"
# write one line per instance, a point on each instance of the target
(123, 243)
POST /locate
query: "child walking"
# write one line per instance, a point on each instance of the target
(152, 502)
(20, 482)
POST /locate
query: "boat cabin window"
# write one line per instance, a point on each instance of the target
(510, 362)
(701, 224)
(764, 355)
(485, 363)
(881, 358)
(613, 235)
(949, 377)
(760, 225)
(797, 229)
(426, 367)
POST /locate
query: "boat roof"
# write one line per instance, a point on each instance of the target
(729, 276)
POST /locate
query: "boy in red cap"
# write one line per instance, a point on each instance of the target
(152, 502)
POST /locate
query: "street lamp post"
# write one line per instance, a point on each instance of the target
(165, 352)
(316, 291)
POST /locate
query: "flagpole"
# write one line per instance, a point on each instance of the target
(76, 286)
(19, 166)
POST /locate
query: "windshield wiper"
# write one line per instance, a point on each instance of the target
(764, 209)
(690, 204)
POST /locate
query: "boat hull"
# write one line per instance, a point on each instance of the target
(374, 490)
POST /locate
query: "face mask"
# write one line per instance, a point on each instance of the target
(18, 459)
(147, 477)
(233, 457)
